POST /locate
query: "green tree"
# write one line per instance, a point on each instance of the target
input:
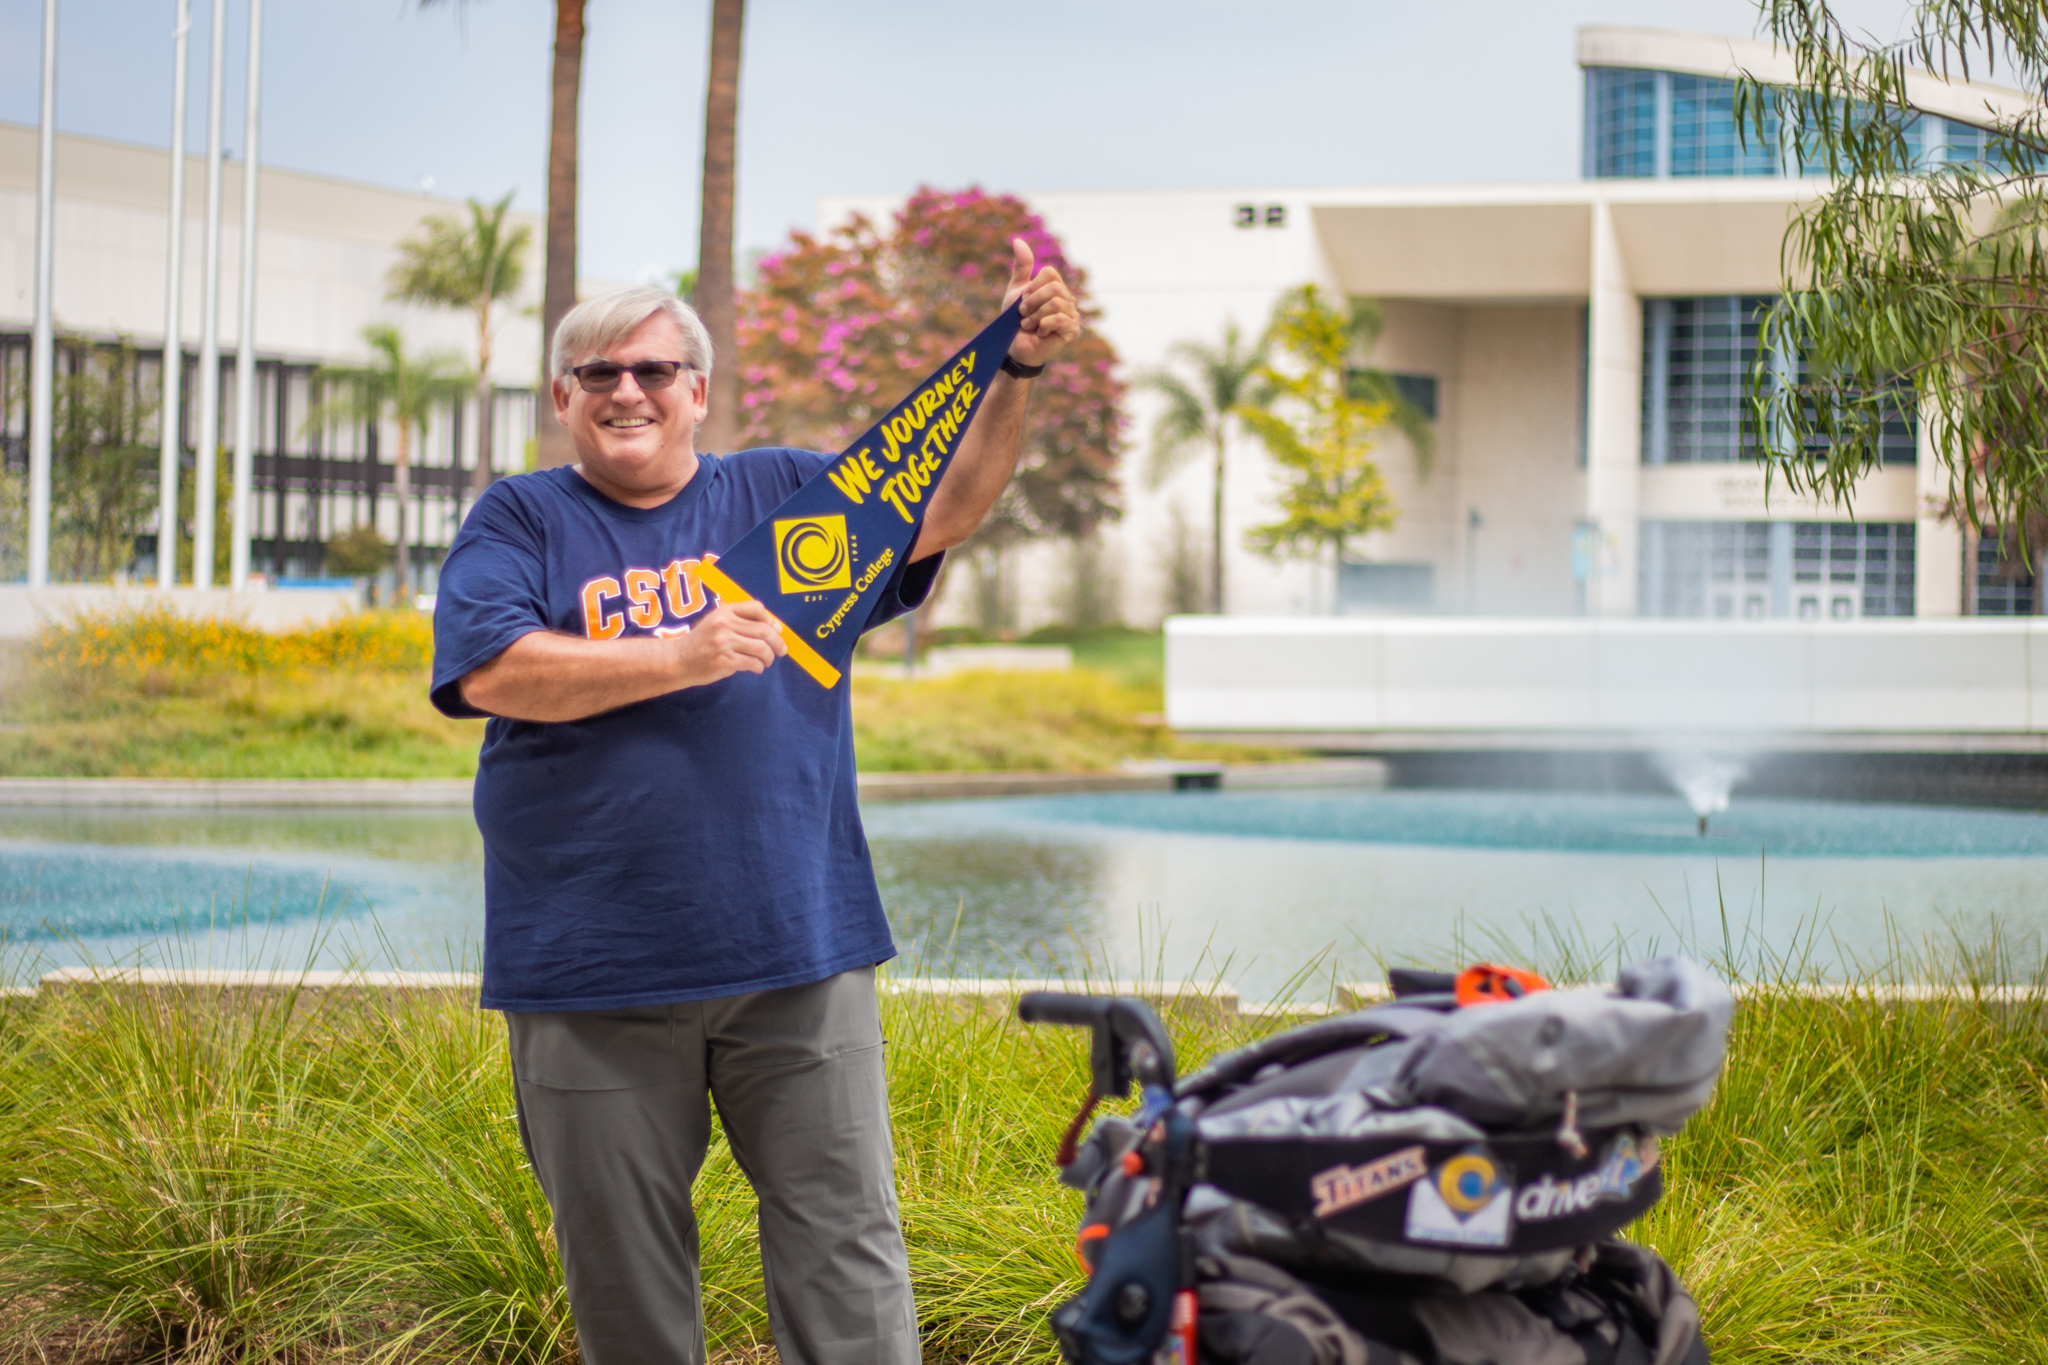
(403, 388)
(1375, 385)
(358, 552)
(1318, 429)
(1201, 412)
(1913, 283)
(102, 461)
(475, 265)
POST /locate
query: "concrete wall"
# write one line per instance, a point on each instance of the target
(1516, 437)
(1615, 678)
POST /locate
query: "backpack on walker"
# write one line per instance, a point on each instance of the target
(1438, 1180)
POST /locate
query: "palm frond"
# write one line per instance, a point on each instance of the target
(1412, 422)
(398, 385)
(1178, 430)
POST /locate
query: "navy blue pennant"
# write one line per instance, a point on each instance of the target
(822, 558)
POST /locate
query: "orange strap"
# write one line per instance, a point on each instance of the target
(1084, 1242)
(800, 654)
(1488, 983)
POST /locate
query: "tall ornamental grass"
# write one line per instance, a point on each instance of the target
(208, 1176)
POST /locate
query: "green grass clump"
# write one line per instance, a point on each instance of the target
(149, 1151)
(1869, 1183)
(209, 1178)
(1135, 658)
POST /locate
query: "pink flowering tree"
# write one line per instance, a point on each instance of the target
(839, 327)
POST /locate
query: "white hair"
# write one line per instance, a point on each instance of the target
(592, 325)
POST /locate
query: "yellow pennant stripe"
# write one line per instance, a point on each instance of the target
(800, 654)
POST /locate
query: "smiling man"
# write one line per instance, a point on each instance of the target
(679, 905)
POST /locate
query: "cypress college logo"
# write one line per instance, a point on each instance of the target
(822, 559)
(811, 554)
(1463, 1203)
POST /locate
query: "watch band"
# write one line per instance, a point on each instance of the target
(1011, 367)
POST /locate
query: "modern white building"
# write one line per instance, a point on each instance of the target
(1581, 348)
(324, 247)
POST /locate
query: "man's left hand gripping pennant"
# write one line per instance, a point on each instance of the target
(822, 558)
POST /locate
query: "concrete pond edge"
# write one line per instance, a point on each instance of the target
(265, 793)
(1213, 999)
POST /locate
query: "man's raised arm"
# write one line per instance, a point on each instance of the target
(545, 676)
(988, 451)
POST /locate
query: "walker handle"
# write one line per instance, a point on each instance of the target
(1129, 1042)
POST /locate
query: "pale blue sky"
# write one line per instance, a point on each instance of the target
(869, 97)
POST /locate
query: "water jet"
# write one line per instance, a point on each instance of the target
(1704, 779)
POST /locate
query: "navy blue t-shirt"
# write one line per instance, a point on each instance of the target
(699, 844)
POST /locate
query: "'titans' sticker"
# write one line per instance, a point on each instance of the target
(1342, 1187)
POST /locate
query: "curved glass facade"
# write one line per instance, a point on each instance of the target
(1648, 125)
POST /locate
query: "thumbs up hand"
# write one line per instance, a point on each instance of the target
(1052, 316)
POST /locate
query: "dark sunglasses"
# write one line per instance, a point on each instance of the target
(602, 376)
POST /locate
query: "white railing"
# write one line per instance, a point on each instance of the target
(1353, 675)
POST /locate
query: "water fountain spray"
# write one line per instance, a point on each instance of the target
(1703, 779)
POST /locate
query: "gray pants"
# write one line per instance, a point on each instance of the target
(613, 1110)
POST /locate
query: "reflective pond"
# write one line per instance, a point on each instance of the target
(1255, 886)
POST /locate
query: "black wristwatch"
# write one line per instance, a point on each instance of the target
(1010, 366)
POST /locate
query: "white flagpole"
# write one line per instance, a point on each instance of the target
(209, 331)
(245, 349)
(174, 321)
(43, 346)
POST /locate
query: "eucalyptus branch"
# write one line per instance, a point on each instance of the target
(1913, 291)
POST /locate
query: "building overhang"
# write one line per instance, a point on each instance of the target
(1534, 243)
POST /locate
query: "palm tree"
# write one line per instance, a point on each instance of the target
(1365, 322)
(473, 266)
(403, 388)
(712, 291)
(1201, 410)
(558, 287)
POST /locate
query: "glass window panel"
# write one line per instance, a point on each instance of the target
(2005, 586)
(1723, 569)
(1706, 138)
(1714, 344)
(1964, 143)
(1621, 106)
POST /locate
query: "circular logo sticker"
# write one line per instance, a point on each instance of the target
(1467, 1181)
